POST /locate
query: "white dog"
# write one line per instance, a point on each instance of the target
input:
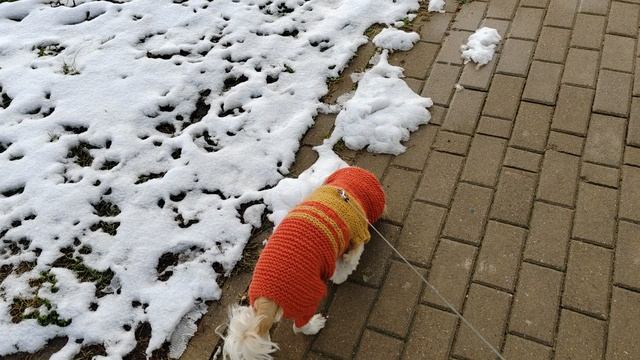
(322, 238)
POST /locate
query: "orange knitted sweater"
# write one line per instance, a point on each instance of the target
(301, 254)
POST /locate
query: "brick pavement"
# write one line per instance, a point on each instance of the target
(520, 200)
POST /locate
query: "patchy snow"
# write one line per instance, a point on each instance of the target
(381, 113)
(395, 39)
(136, 139)
(436, 6)
(481, 46)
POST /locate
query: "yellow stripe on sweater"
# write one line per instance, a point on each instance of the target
(342, 243)
(318, 224)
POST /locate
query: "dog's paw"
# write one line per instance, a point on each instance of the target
(339, 276)
(314, 325)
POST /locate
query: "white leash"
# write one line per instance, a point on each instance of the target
(343, 195)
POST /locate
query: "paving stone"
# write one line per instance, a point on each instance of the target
(504, 96)
(595, 214)
(581, 67)
(542, 83)
(552, 44)
(600, 175)
(580, 337)
(441, 83)
(531, 126)
(502, 9)
(565, 143)
(399, 185)
(348, 313)
(559, 177)
(494, 127)
(484, 159)
(586, 285)
(561, 13)
(617, 53)
(573, 110)
(478, 79)
(419, 235)
(535, 3)
(500, 25)
(418, 148)
(469, 16)
(624, 326)
(399, 295)
(636, 82)
(417, 61)
(613, 93)
(521, 159)
(633, 134)
(632, 156)
(439, 179)
(451, 142)
(376, 163)
(434, 29)
(519, 348)
(305, 157)
(499, 257)
(623, 19)
(627, 266)
(588, 31)
(375, 346)
(431, 334)
(320, 130)
(487, 309)
(451, 6)
(450, 52)
(535, 306)
(599, 7)
(605, 140)
(415, 84)
(526, 24)
(514, 197)
(516, 57)
(450, 273)
(630, 193)
(549, 233)
(371, 269)
(311, 355)
(468, 213)
(438, 114)
(464, 111)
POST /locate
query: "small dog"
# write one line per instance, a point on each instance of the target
(322, 238)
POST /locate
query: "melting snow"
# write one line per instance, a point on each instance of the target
(481, 46)
(436, 6)
(395, 39)
(137, 138)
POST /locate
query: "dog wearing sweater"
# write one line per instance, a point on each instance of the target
(320, 239)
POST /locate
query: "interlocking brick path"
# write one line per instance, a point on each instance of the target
(520, 200)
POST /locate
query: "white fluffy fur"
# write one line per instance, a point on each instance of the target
(347, 264)
(313, 326)
(242, 341)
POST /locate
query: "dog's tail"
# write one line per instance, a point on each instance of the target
(243, 342)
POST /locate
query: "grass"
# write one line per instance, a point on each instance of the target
(101, 279)
(32, 308)
(81, 155)
(69, 69)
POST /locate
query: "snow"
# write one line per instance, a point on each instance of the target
(436, 6)
(481, 46)
(381, 113)
(183, 115)
(395, 39)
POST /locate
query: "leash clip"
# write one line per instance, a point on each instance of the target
(343, 195)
